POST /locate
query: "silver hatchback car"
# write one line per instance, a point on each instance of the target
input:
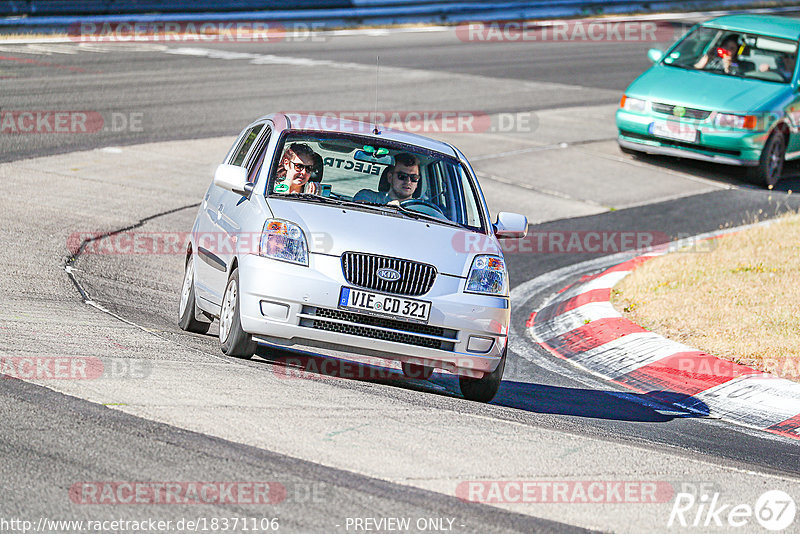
(351, 238)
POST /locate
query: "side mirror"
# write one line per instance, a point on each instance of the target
(655, 55)
(233, 178)
(510, 225)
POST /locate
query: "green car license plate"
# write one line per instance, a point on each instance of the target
(674, 130)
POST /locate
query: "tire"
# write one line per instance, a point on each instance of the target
(233, 340)
(483, 389)
(770, 166)
(413, 370)
(187, 307)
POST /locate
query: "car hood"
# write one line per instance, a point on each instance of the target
(705, 90)
(334, 230)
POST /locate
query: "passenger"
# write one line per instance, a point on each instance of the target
(398, 182)
(783, 66)
(299, 171)
(724, 58)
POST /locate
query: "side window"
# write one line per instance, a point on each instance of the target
(258, 156)
(471, 211)
(437, 193)
(247, 142)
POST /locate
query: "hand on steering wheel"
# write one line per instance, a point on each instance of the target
(411, 202)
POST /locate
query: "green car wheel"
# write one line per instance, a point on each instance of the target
(770, 166)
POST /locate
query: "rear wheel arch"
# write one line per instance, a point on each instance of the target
(233, 266)
(190, 317)
(188, 254)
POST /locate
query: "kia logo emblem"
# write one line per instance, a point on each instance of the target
(390, 275)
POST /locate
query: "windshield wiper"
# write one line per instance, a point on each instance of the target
(311, 196)
(418, 215)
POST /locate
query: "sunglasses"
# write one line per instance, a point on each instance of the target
(300, 167)
(405, 176)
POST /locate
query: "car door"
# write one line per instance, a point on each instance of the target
(235, 209)
(216, 230)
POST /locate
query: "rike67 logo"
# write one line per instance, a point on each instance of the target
(774, 510)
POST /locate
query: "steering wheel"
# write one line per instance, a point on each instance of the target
(428, 208)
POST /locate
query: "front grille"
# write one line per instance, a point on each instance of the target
(361, 270)
(356, 324)
(680, 144)
(689, 113)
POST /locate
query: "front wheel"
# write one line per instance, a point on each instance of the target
(233, 340)
(483, 389)
(770, 165)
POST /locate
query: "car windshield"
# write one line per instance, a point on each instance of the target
(393, 177)
(737, 54)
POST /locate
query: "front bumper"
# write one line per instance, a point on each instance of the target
(730, 147)
(291, 305)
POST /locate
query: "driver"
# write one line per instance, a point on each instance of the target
(398, 182)
(724, 58)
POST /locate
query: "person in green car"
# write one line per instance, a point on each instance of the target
(724, 58)
(784, 66)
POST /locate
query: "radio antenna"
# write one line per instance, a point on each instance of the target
(375, 129)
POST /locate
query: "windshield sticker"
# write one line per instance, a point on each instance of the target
(350, 165)
(281, 188)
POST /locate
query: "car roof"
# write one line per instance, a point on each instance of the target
(784, 27)
(331, 124)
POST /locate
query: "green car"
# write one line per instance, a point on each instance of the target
(726, 92)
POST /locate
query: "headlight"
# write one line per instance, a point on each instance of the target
(283, 241)
(488, 276)
(632, 104)
(739, 122)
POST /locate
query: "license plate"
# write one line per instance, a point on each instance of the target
(384, 305)
(674, 130)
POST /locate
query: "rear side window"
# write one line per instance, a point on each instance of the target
(257, 160)
(247, 142)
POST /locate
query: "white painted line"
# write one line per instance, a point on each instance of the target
(606, 281)
(628, 353)
(754, 400)
(573, 319)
